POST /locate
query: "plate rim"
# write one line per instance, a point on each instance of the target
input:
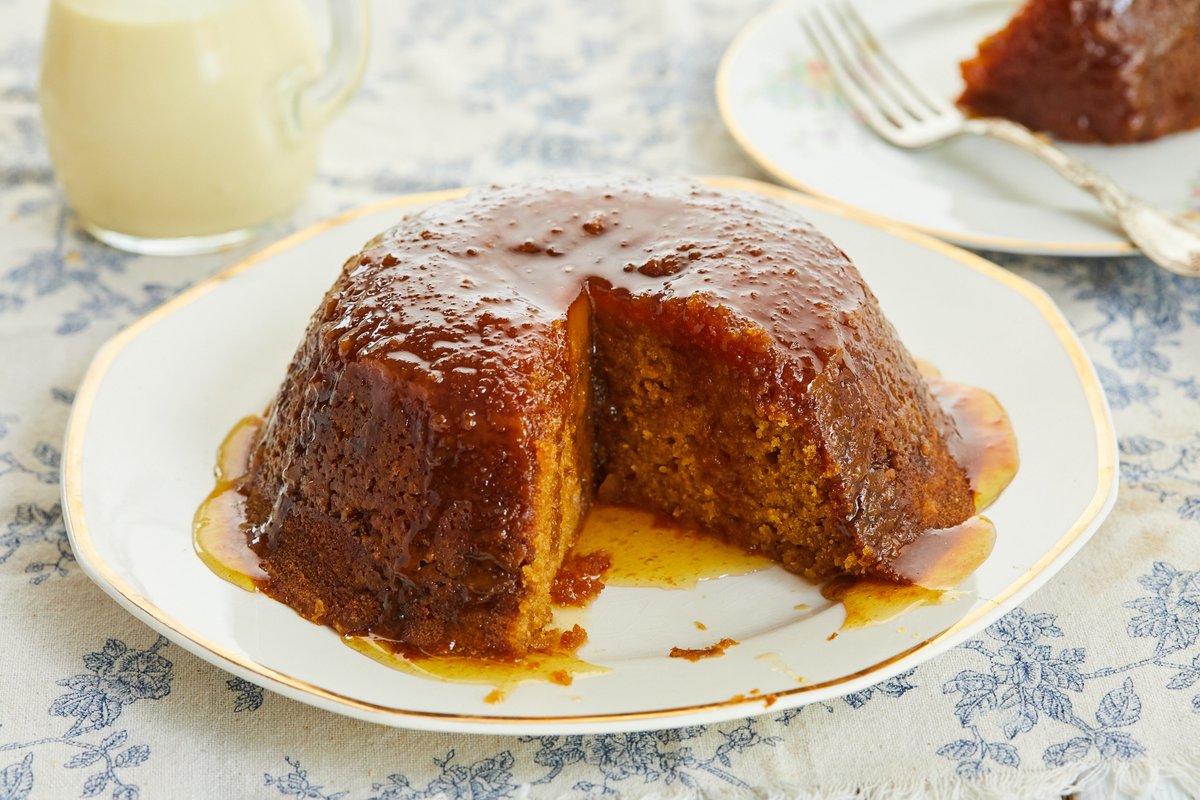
(778, 172)
(113, 584)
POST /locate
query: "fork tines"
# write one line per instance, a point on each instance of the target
(893, 104)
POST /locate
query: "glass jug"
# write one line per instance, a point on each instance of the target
(180, 126)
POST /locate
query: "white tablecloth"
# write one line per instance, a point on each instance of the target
(1095, 679)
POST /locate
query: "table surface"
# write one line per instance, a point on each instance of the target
(1094, 680)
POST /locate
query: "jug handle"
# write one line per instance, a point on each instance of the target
(315, 102)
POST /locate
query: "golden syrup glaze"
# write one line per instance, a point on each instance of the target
(519, 257)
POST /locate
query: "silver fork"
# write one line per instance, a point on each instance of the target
(907, 115)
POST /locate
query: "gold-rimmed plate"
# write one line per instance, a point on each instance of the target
(781, 105)
(160, 396)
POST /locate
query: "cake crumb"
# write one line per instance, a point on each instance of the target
(768, 700)
(700, 625)
(580, 579)
(712, 651)
(572, 640)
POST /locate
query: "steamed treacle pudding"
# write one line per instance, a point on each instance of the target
(482, 372)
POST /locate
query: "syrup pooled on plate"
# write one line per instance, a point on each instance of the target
(218, 529)
(932, 565)
(869, 601)
(986, 447)
(553, 662)
(653, 550)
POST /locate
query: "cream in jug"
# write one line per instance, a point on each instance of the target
(168, 120)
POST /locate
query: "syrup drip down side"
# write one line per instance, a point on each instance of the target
(221, 536)
(935, 563)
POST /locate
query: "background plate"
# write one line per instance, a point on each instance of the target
(160, 396)
(782, 107)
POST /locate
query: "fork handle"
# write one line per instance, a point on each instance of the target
(1165, 239)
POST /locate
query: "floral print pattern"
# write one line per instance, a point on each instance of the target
(1099, 671)
(116, 677)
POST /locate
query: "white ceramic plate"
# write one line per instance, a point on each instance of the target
(161, 395)
(782, 107)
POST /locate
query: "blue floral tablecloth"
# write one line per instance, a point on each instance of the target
(1095, 680)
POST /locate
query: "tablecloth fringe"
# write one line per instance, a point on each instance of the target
(1129, 779)
(1132, 778)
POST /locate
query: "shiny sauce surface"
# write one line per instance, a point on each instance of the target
(553, 661)
(467, 289)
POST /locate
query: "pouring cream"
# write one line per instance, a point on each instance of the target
(171, 122)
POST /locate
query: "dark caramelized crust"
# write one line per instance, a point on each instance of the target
(1092, 70)
(478, 371)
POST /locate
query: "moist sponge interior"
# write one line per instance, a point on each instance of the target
(659, 421)
(678, 430)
